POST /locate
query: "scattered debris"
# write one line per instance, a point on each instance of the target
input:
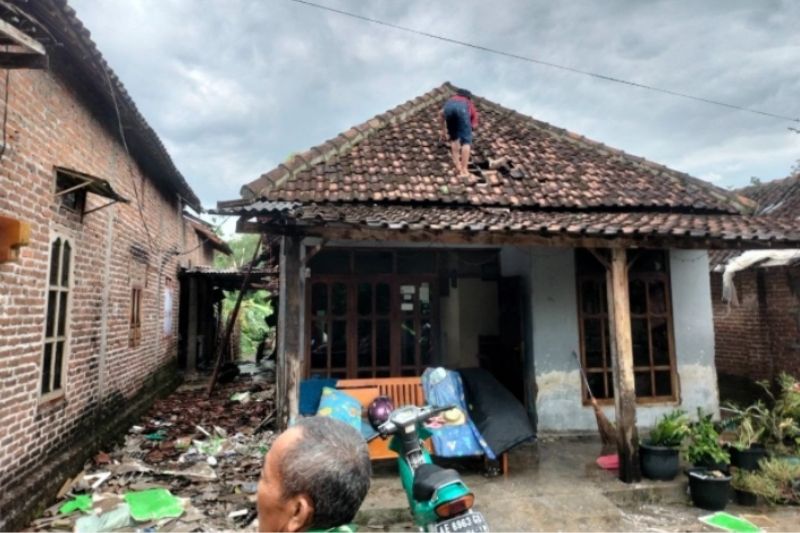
(191, 464)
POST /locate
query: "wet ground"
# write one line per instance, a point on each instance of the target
(555, 485)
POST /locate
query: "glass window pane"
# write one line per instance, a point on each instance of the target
(587, 263)
(46, 365)
(339, 344)
(364, 343)
(638, 296)
(65, 264)
(658, 297)
(55, 255)
(364, 373)
(52, 299)
(319, 299)
(57, 367)
(658, 330)
(383, 298)
(382, 343)
(592, 297)
(62, 314)
(408, 344)
(425, 299)
(418, 262)
(330, 262)
(339, 299)
(408, 296)
(374, 263)
(383, 374)
(597, 384)
(649, 261)
(364, 298)
(339, 374)
(610, 384)
(593, 342)
(425, 342)
(663, 383)
(644, 387)
(319, 345)
(409, 372)
(641, 342)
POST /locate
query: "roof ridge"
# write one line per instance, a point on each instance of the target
(340, 144)
(740, 202)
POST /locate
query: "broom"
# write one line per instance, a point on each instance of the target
(608, 433)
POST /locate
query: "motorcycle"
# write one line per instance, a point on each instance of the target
(438, 498)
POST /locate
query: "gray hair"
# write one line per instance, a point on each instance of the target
(330, 463)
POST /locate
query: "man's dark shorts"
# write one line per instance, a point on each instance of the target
(456, 115)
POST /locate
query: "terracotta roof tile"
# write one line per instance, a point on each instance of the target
(749, 230)
(549, 167)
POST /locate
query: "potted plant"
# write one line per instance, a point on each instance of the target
(709, 482)
(703, 448)
(659, 455)
(782, 433)
(746, 486)
(777, 481)
(750, 425)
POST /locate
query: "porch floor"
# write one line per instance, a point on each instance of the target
(554, 485)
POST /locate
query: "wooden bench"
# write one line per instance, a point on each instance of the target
(402, 391)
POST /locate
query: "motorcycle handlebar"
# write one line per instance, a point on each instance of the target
(423, 414)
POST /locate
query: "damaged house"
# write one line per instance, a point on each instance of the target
(757, 298)
(555, 250)
(92, 237)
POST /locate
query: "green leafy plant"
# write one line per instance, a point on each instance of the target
(749, 424)
(703, 443)
(777, 481)
(782, 425)
(670, 430)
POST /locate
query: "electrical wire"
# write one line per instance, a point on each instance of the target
(550, 64)
(127, 151)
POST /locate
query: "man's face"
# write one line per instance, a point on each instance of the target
(275, 512)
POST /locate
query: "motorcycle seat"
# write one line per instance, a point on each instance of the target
(428, 478)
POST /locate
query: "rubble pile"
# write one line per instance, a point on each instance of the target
(191, 464)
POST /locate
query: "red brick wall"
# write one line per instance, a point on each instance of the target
(760, 337)
(48, 126)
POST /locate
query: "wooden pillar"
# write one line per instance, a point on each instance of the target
(622, 354)
(192, 326)
(290, 331)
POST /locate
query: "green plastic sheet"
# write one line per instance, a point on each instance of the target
(153, 504)
(729, 522)
(82, 502)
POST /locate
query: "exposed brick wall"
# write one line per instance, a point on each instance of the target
(760, 337)
(49, 126)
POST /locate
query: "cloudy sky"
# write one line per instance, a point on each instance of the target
(235, 86)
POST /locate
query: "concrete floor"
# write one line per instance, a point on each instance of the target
(556, 486)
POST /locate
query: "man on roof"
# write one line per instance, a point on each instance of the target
(459, 118)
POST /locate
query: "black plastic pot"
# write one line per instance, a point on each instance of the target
(746, 498)
(659, 462)
(747, 459)
(709, 464)
(710, 493)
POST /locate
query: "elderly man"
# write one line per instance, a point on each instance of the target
(315, 477)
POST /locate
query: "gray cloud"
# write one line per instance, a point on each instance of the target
(234, 87)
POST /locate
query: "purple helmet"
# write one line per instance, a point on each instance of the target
(379, 410)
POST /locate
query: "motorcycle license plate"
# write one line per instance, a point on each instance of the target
(472, 521)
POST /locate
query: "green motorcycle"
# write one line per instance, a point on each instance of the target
(439, 499)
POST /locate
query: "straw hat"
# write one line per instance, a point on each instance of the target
(454, 417)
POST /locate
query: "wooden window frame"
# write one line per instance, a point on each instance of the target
(395, 316)
(61, 194)
(135, 321)
(666, 278)
(50, 339)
